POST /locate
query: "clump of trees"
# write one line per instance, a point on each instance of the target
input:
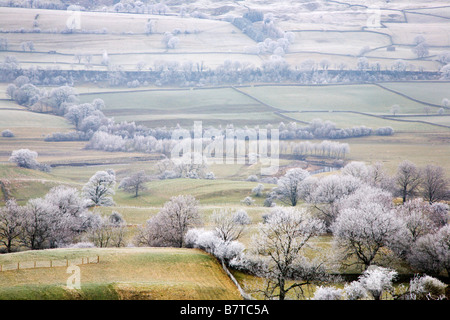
(63, 218)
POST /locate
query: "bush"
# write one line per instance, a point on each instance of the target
(24, 158)
(328, 293)
(7, 133)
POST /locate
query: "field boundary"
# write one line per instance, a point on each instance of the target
(20, 265)
(385, 117)
(408, 97)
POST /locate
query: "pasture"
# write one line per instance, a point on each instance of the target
(127, 273)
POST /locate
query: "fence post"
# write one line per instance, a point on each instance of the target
(18, 265)
(51, 264)
(98, 259)
(87, 260)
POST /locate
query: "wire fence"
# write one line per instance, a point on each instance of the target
(19, 265)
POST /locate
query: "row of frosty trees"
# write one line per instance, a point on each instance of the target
(356, 208)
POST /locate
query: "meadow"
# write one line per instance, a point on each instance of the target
(122, 273)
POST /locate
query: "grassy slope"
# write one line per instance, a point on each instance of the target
(128, 273)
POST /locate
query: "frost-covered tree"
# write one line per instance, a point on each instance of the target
(407, 179)
(39, 224)
(248, 201)
(421, 47)
(288, 186)
(25, 158)
(209, 241)
(229, 224)
(431, 252)
(328, 192)
(360, 233)
(168, 228)
(76, 113)
(100, 188)
(434, 185)
(7, 133)
(108, 231)
(67, 200)
(328, 293)
(378, 280)
(11, 218)
(135, 183)
(257, 191)
(58, 96)
(426, 288)
(355, 291)
(277, 252)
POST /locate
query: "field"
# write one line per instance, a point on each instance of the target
(144, 273)
(329, 36)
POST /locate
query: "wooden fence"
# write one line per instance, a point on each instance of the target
(48, 263)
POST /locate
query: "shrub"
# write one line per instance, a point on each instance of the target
(7, 133)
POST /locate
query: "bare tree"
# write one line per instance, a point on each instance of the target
(421, 48)
(431, 253)
(395, 109)
(407, 179)
(39, 222)
(279, 252)
(434, 184)
(108, 231)
(11, 216)
(169, 226)
(135, 183)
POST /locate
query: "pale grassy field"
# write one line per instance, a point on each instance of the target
(428, 92)
(128, 273)
(348, 120)
(122, 37)
(360, 98)
(169, 108)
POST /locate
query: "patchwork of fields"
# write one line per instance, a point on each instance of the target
(333, 36)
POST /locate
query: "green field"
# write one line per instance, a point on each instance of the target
(157, 108)
(360, 98)
(428, 92)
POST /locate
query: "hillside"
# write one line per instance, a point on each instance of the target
(127, 273)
